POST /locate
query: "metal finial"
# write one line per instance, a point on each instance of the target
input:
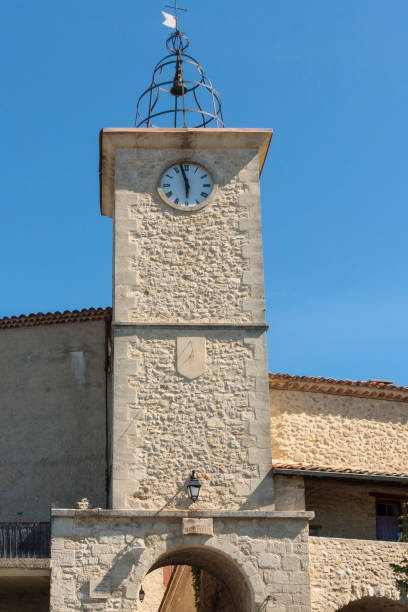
(179, 91)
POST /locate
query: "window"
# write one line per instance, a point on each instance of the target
(388, 513)
(314, 530)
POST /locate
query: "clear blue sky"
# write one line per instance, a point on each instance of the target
(330, 76)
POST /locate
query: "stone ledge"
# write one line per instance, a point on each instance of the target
(257, 326)
(25, 563)
(25, 567)
(179, 514)
(350, 542)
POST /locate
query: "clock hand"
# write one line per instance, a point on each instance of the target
(187, 184)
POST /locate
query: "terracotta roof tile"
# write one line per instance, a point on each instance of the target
(297, 467)
(370, 389)
(55, 318)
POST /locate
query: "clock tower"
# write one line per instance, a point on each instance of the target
(190, 388)
(190, 469)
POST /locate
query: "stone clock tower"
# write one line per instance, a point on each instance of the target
(189, 387)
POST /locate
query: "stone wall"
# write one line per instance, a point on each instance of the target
(180, 593)
(166, 425)
(99, 559)
(342, 571)
(188, 267)
(339, 431)
(53, 408)
(288, 492)
(335, 502)
(153, 586)
(214, 597)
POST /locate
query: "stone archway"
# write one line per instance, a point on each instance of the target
(217, 565)
(375, 604)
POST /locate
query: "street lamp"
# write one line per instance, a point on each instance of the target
(194, 487)
(141, 594)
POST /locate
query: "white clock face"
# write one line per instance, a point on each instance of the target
(186, 185)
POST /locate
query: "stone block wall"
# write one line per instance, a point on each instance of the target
(343, 571)
(100, 560)
(201, 266)
(338, 431)
(335, 502)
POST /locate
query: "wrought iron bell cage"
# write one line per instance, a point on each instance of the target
(178, 76)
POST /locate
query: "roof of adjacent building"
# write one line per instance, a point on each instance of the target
(371, 389)
(359, 388)
(297, 469)
(55, 318)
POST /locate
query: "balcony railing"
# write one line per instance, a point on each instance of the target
(24, 540)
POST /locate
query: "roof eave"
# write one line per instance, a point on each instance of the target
(340, 475)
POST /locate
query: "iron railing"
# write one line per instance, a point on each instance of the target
(24, 540)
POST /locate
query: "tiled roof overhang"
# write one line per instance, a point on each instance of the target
(56, 318)
(324, 472)
(355, 388)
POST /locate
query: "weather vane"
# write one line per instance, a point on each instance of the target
(172, 20)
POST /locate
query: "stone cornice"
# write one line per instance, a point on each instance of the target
(180, 514)
(112, 139)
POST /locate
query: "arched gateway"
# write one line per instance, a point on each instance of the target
(217, 564)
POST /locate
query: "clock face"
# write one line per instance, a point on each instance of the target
(186, 186)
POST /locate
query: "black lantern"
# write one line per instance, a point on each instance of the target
(141, 594)
(194, 487)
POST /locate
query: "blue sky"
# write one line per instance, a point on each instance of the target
(330, 76)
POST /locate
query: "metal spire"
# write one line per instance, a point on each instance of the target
(193, 102)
